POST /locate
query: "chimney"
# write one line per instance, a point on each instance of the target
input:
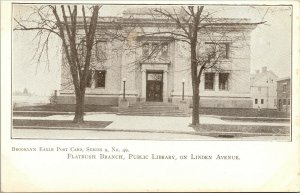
(264, 69)
(257, 71)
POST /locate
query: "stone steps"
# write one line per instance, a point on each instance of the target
(152, 109)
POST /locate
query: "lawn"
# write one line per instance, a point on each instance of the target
(60, 123)
(217, 130)
(237, 112)
(67, 108)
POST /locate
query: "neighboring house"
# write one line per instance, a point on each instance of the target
(284, 94)
(263, 89)
(159, 78)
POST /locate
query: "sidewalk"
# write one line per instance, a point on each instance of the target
(160, 124)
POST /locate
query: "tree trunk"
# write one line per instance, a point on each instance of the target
(79, 108)
(195, 115)
(195, 82)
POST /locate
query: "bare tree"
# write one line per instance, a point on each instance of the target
(191, 22)
(63, 22)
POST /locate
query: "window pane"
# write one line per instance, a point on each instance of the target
(155, 76)
(256, 101)
(164, 50)
(209, 81)
(262, 101)
(284, 88)
(100, 78)
(223, 81)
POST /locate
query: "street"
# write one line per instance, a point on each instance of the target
(89, 134)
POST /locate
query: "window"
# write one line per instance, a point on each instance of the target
(223, 81)
(284, 101)
(164, 50)
(289, 101)
(155, 47)
(101, 47)
(209, 81)
(155, 76)
(262, 101)
(100, 78)
(217, 50)
(256, 101)
(284, 88)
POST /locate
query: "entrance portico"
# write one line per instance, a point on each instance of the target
(154, 82)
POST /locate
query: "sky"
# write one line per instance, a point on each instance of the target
(270, 46)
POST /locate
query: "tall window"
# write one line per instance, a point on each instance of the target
(256, 101)
(284, 88)
(217, 50)
(209, 81)
(100, 78)
(262, 101)
(223, 81)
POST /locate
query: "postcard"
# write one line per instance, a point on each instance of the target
(149, 96)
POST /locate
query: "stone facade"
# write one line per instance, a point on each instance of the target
(160, 77)
(263, 89)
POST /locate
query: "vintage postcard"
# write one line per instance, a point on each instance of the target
(149, 96)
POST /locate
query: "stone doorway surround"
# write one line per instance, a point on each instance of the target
(154, 67)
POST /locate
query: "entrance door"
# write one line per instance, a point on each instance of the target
(154, 87)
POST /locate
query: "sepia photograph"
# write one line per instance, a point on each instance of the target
(144, 96)
(174, 72)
